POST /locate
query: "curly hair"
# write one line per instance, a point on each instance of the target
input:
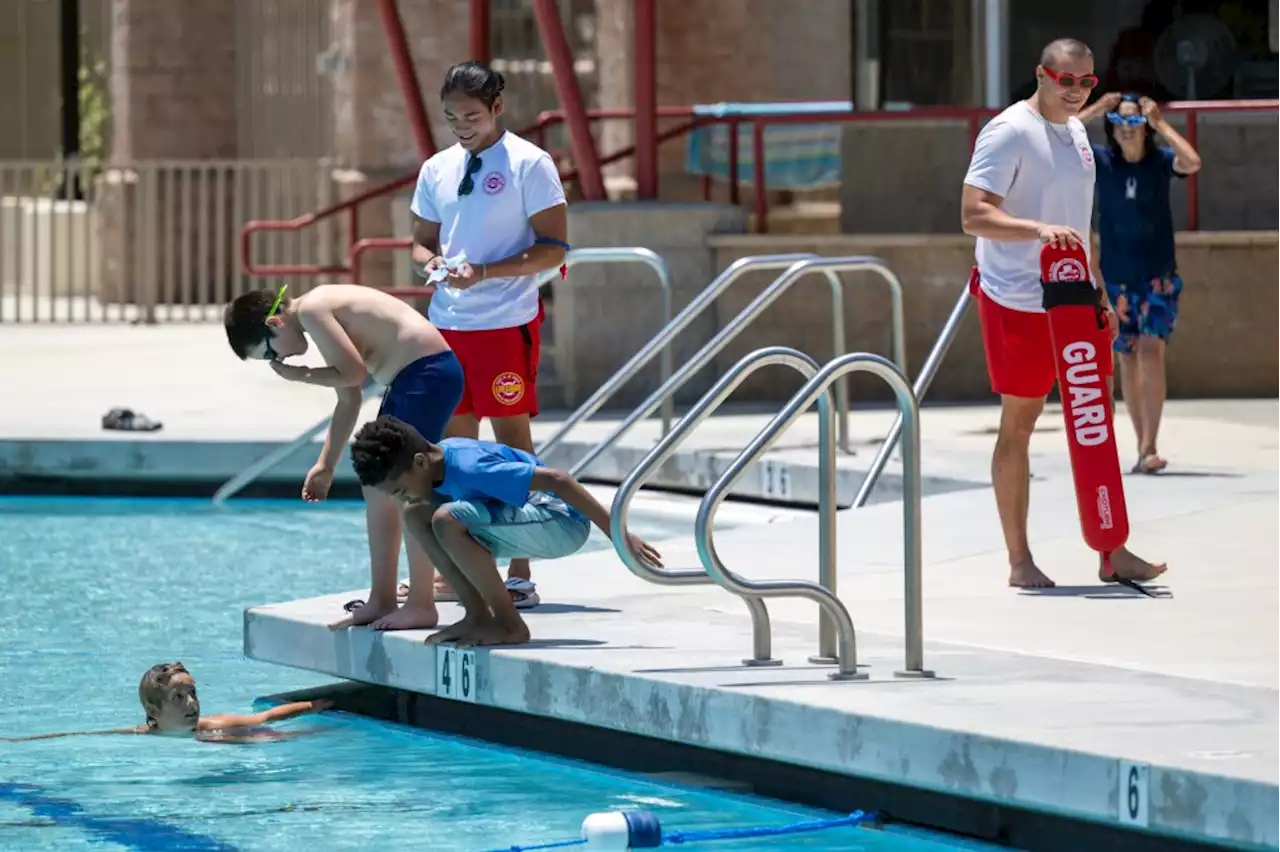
(384, 449)
(246, 320)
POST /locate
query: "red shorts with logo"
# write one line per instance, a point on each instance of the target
(500, 367)
(1019, 349)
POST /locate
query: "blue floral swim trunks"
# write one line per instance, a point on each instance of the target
(1149, 309)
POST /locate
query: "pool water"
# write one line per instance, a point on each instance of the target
(94, 591)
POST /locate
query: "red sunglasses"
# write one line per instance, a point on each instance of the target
(1066, 81)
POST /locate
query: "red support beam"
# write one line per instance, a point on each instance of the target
(480, 29)
(575, 113)
(646, 99)
(414, 105)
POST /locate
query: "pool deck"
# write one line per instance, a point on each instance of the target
(1186, 685)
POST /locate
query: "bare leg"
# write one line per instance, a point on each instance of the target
(382, 522)
(478, 566)
(1011, 481)
(515, 432)
(419, 608)
(1131, 382)
(1150, 367)
(418, 525)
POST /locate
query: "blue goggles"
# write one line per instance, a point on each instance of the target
(1131, 120)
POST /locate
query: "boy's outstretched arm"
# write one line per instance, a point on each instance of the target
(139, 729)
(562, 484)
(266, 717)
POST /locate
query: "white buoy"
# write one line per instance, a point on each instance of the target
(621, 831)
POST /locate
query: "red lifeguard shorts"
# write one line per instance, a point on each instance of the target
(1019, 349)
(500, 368)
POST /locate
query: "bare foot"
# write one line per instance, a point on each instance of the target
(366, 613)
(1130, 567)
(493, 633)
(454, 631)
(1025, 575)
(409, 617)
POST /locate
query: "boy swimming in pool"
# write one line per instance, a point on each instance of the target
(168, 696)
(470, 502)
(363, 334)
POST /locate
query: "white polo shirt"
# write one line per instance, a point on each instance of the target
(1043, 171)
(516, 180)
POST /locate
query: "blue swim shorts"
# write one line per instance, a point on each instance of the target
(545, 527)
(425, 394)
(1149, 309)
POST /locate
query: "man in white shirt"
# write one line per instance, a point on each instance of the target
(497, 198)
(1030, 183)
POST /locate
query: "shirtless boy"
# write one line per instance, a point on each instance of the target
(362, 334)
(168, 695)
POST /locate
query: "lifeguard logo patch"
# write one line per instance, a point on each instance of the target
(508, 388)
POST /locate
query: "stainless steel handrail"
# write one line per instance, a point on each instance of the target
(824, 594)
(793, 273)
(700, 411)
(624, 254)
(619, 254)
(921, 386)
(662, 341)
(237, 483)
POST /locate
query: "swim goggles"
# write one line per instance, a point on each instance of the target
(268, 350)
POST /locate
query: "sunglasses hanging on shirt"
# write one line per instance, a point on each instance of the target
(468, 180)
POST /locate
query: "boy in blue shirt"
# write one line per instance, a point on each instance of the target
(470, 502)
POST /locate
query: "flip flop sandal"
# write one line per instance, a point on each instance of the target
(1146, 469)
(128, 420)
(352, 606)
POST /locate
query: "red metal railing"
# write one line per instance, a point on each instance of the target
(537, 133)
(972, 116)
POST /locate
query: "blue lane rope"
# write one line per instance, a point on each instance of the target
(676, 838)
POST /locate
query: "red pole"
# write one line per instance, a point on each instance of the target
(580, 138)
(409, 88)
(646, 99)
(480, 44)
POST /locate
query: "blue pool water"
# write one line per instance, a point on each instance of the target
(94, 591)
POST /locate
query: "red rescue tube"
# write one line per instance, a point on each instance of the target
(1082, 350)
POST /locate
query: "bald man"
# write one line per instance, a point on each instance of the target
(1030, 183)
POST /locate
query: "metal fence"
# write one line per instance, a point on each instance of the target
(149, 241)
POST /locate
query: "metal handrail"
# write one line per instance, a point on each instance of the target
(824, 593)
(619, 254)
(661, 342)
(237, 483)
(700, 411)
(631, 254)
(793, 273)
(927, 372)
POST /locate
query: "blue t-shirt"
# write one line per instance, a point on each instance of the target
(1135, 222)
(487, 473)
(483, 470)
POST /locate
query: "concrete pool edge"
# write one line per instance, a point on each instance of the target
(153, 464)
(1181, 804)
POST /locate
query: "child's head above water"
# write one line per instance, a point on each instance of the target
(259, 328)
(389, 455)
(168, 695)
